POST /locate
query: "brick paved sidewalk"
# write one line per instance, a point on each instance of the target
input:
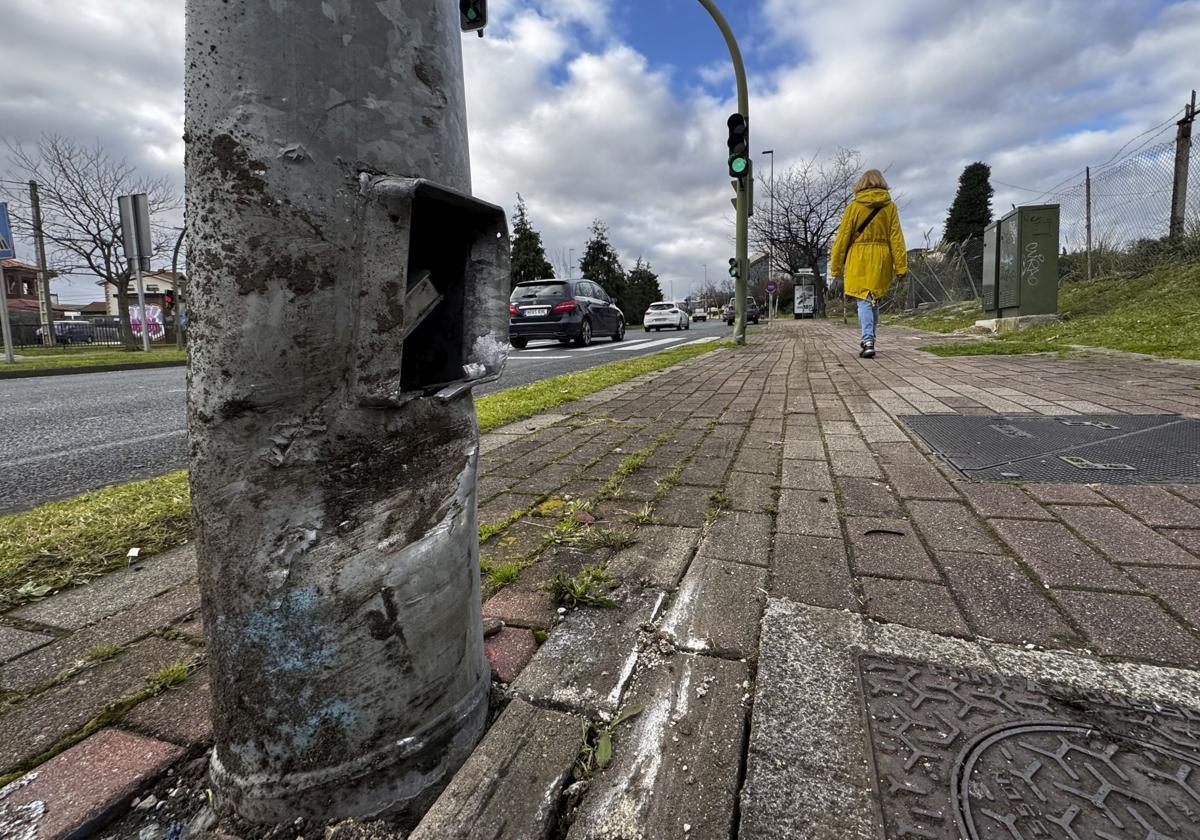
(775, 473)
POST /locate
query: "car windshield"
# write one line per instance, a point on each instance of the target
(548, 292)
(659, 307)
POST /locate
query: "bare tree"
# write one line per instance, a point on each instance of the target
(79, 187)
(809, 200)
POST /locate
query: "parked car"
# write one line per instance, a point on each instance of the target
(714, 312)
(667, 314)
(752, 313)
(700, 314)
(568, 310)
(70, 332)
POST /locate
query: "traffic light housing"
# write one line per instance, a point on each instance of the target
(472, 15)
(168, 300)
(733, 267)
(739, 147)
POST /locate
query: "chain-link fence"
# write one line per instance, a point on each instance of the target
(1117, 218)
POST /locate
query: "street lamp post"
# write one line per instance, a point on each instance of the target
(771, 221)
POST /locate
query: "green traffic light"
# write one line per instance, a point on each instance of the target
(472, 15)
(738, 165)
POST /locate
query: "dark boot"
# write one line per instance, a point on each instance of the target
(868, 350)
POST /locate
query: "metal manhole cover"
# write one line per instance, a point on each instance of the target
(960, 753)
(1095, 449)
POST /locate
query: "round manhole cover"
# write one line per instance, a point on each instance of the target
(1060, 780)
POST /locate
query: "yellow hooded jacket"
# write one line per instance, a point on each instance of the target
(878, 253)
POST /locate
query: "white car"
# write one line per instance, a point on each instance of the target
(666, 314)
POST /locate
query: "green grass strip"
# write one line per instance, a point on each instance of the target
(50, 358)
(64, 543)
(1155, 313)
(67, 542)
(504, 407)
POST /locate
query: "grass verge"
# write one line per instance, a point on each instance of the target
(504, 407)
(1156, 313)
(64, 543)
(50, 358)
(67, 542)
(943, 319)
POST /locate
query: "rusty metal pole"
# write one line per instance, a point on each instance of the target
(1183, 151)
(333, 492)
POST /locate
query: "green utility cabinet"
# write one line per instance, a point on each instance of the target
(1020, 263)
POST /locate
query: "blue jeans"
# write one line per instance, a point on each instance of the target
(868, 314)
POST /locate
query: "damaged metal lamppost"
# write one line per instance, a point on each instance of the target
(340, 313)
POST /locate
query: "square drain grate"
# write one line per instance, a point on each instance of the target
(1090, 449)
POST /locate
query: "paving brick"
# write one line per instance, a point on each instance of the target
(812, 570)
(762, 462)
(684, 506)
(522, 608)
(1123, 538)
(509, 651)
(1002, 603)
(900, 453)
(1188, 538)
(854, 464)
(806, 475)
(739, 537)
(1178, 588)
(1002, 500)
(838, 427)
(707, 471)
(37, 668)
(868, 497)
(1131, 627)
(511, 783)
(950, 526)
(181, 715)
(78, 791)
(809, 450)
(807, 512)
(919, 481)
(115, 591)
(676, 765)
(1065, 494)
(1058, 557)
(749, 492)
(14, 642)
(586, 661)
(888, 548)
(845, 443)
(1154, 506)
(30, 728)
(926, 606)
(718, 608)
(659, 557)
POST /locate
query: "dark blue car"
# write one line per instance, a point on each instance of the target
(567, 310)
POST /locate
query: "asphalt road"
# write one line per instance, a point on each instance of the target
(63, 435)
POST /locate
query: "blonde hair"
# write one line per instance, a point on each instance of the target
(872, 179)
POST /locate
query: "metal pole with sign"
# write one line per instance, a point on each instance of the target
(7, 252)
(135, 235)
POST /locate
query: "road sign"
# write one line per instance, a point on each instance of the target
(7, 246)
(772, 286)
(135, 229)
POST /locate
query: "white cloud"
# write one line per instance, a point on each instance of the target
(583, 126)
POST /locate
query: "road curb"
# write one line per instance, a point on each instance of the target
(70, 371)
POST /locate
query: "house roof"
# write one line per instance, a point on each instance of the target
(18, 265)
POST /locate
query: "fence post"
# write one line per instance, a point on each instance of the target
(1183, 149)
(45, 312)
(1087, 191)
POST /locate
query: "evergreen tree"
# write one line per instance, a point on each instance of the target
(971, 211)
(642, 289)
(528, 256)
(600, 264)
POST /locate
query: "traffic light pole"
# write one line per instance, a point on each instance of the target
(744, 186)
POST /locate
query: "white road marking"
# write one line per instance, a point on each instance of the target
(702, 341)
(83, 450)
(647, 344)
(515, 358)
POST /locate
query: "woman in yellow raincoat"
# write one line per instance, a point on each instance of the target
(869, 251)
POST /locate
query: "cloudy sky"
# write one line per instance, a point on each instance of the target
(616, 108)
